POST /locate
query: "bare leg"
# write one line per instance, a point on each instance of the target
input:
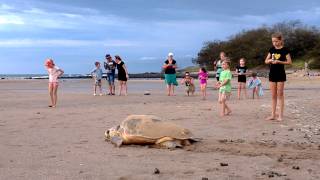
(172, 88)
(168, 89)
(94, 89)
(50, 89)
(125, 87)
(273, 88)
(239, 90)
(120, 88)
(244, 90)
(280, 87)
(55, 95)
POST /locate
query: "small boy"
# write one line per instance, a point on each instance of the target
(254, 83)
(97, 76)
(189, 85)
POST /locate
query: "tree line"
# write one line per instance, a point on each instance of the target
(303, 42)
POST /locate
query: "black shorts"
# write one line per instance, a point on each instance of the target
(277, 77)
(242, 78)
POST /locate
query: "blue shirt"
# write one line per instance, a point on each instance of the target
(97, 73)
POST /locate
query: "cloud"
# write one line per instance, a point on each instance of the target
(76, 18)
(11, 19)
(63, 43)
(6, 7)
(148, 58)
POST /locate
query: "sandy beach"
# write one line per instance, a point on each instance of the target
(67, 142)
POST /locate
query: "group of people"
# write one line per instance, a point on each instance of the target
(277, 57)
(110, 66)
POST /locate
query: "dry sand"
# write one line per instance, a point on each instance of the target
(67, 142)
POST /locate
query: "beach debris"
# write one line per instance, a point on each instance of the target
(149, 130)
(280, 159)
(38, 113)
(147, 93)
(296, 167)
(204, 178)
(156, 171)
(271, 174)
(224, 164)
(274, 132)
(290, 129)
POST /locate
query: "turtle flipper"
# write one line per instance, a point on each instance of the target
(116, 140)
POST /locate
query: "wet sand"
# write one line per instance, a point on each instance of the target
(67, 142)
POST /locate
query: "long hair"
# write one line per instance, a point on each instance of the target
(279, 36)
(118, 57)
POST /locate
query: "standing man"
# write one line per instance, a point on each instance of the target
(110, 66)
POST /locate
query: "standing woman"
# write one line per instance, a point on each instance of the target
(218, 64)
(122, 75)
(169, 67)
(277, 57)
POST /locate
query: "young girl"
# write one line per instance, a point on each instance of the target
(54, 72)
(122, 75)
(224, 86)
(254, 83)
(189, 85)
(241, 71)
(277, 57)
(203, 77)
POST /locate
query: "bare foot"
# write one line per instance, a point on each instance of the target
(271, 118)
(228, 113)
(279, 118)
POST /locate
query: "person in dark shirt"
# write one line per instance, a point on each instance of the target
(169, 67)
(122, 76)
(241, 71)
(277, 57)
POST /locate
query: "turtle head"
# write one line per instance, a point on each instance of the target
(113, 135)
(114, 131)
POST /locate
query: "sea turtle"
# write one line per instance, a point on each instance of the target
(148, 129)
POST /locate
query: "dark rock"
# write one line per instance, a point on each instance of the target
(224, 164)
(38, 113)
(296, 167)
(204, 178)
(274, 132)
(290, 129)
(156, 171)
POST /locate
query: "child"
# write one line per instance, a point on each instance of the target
(203, 77)
(97, 76)
(224, 86)
(189, 85)
(54, 73)
(254, 83)
(241, 71)
(277, 57)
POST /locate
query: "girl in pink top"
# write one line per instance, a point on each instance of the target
(54, 73)
(203, 77)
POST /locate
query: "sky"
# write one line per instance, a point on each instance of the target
(76, 33)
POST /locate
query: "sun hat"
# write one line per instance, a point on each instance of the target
(170, 54)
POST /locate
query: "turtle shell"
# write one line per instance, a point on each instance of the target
(147, 129)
